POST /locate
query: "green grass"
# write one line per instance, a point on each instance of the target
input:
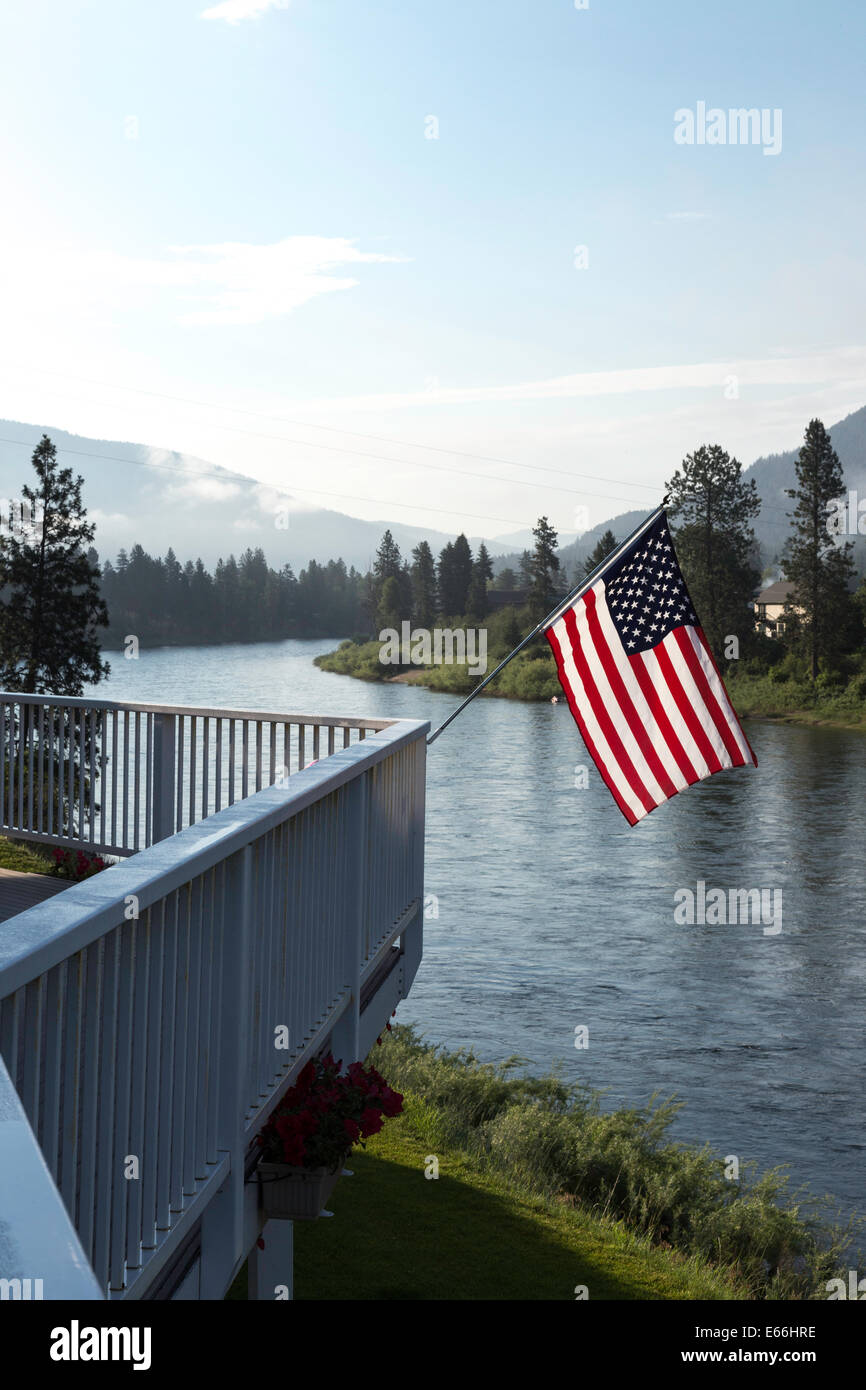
(468, 1235)
(778, 695)
(540, 1190)
(24, 860)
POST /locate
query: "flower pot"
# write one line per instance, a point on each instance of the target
(295, 1194)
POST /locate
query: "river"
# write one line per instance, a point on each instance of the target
(555, 915)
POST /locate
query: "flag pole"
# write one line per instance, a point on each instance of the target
(553, 615)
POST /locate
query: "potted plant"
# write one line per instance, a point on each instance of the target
(311, 1132)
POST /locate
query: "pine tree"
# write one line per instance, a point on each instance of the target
(51, 608)
(712, 509)
(603, 548)
(477, 603)
(455, 574)
(545, 569)
(819, 568)
(424, 592)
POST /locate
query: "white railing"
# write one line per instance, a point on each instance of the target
(143, 1012)
(115, 778)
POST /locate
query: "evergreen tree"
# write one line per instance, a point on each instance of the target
(603, 548)
(455, 575)
(51, 608)
(389, 612)
(477, 603)
(712, 509)
(505, 579)
(424, 592)
(819, 568)
(545, 569)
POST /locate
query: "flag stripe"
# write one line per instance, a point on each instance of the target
(628, 696)
(603, 717)
(682, 688)
(719, 686)
(559, 656)
(665, 727)
(672, 709)
(718, 711)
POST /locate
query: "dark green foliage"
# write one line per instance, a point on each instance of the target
(601, 551)
(544, 570)
(455, 576)
(712, 511)
(819, 566)
(425, 594)
(51, 610)
(482, 573)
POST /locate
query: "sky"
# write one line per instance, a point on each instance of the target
(487, 258)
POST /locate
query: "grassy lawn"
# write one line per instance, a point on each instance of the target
(20, 858)
(396, 1234)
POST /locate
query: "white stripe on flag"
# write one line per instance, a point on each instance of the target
(696, 699)
(672, 710)
(615, 711)
(718, 690)
(581, 700)
(638, 699)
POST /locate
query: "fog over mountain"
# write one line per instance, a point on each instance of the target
(161, 499)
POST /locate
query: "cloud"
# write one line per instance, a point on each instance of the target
(837, 365)
(227, 283)
(236, 11)
(245, 284)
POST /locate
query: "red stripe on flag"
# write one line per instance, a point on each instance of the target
(605, 722)
(659, 713)
(686, 709)
(706, 646)
(717, 714)
(584, 732)
(624, 700)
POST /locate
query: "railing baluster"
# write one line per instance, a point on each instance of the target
(205, 769)
(109, 1155)
(178, 823)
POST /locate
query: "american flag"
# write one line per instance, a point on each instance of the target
(641, 681)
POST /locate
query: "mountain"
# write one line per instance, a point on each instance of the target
(775, 473)
(161, 499)
(772, 475)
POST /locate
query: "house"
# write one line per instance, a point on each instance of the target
(770, 607)
(266, 905)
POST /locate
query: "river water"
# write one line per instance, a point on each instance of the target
(555, 915)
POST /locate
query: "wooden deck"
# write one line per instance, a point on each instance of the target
(19, 891)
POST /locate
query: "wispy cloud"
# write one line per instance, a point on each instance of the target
(236, 11)
(841, 364)
(228, 283)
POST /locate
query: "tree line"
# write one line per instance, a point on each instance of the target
(59, 606)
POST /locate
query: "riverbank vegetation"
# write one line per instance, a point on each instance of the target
(540, 1193)
(808, 662)
(550, 1140)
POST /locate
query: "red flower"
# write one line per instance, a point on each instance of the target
(371, 1121)
(352, 1130)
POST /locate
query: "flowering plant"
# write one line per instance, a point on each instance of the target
(76, 864)
(326, 1112)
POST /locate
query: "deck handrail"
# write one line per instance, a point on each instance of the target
(138, 1009)
(112, 777)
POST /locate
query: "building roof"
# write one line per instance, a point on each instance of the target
(780, 592)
